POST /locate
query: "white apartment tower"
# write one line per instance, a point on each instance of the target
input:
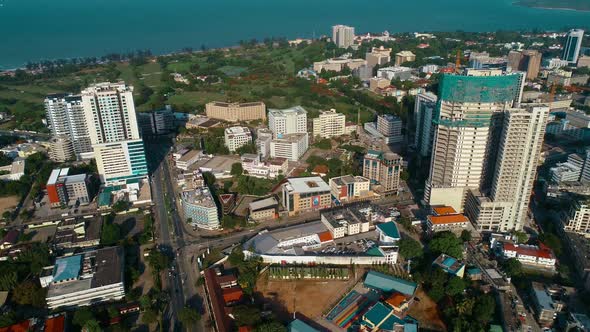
(329, 124)
(343, 36)
(573, 44)
(66, 120)
(505, 207)
(468, 120)
(114, 133)
(287, 121)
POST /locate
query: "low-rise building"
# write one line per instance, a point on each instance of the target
(539, 255)
(270, 169)
(395, 73)
(305, 194)
(545, 307)
(14, 171)
(577, 218)
(445, 218)
(404, 56)
(350, 188)
(289, 146)
(378, 56)
(188, 159)
(378, 83)
(235, 112)
(264, 209)
(345, 221)
(236, 137)
(450, 265)
(85, 279)
(65, 190)
(199, 208)
(77, 233)
(388, 232)
(338, 64)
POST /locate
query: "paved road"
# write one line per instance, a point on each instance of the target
(26, 134)
(167, 243)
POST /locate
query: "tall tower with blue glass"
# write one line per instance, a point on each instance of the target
(572, 47)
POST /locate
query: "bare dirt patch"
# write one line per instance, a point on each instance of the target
(8, 203)
(308, 298)
(426, 312)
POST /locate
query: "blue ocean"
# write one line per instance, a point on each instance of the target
(33, 30)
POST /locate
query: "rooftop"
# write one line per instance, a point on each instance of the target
(300, 326)
(290, 138)
(448, 264)
(189, 155)
(343, 216)
(225, 104)
(389, 229)
(448, 219)
(263, 204)
(67, 268)
(388, 283)
(237, 131)
(347, 179)
(543, 297)
(200, 196)
(443, 210)
(283, 112)
(307, 185)
(541, 251)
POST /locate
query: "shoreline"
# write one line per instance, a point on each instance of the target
(521, 4)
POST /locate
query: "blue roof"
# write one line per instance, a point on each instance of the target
(410, 327)
(543, 298)
(300, 326)
(377, 314)
(374, 252)
(449, 261)
(67, 268)
(390, 229)
(474, 270)
(387, 283)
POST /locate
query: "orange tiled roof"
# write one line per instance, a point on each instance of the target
(396, 300)
(19, 327)
(447, 219)
(444, 210)
(325, 236)
(55, 324)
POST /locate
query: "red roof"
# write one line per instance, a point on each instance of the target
(444, 210)
(321, 169)
(541, 251)
(55, 324)
(19, 327)
(232, 294)
(325, 236)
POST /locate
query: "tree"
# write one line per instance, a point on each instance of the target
(120, 206)
(324, 144)
(410, 248)
(236, 257)
(447, 243)
(236, 169)
(82, 315)
(29, 293)
(91, 326)
(484, 308)
(465, 236)
(436, 292)
(512, 267)
(149, 316)
(273, 326)
(404, 175)
(246, 315)
(111, 233)
(157, 260)
(209, 178)
(247, 148)
(188, 316)
(552, 241)
(455, 286)
(521, 237)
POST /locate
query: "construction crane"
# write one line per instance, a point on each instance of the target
(457, 61)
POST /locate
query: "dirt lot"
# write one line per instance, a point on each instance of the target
(8, 203)
(308, 298)
(426, 312)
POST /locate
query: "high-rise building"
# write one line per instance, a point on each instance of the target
(343, 36)
(528, 61)
(289, 146)
(234, 112)
(424, 111)
(504, 206)
(61, 149)
(572, 47)
(65, 118)
(114, 133)
(468, 122)
(287, 121)
(329, 124)
(236, 137)
(160, 122)
(383, 169)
